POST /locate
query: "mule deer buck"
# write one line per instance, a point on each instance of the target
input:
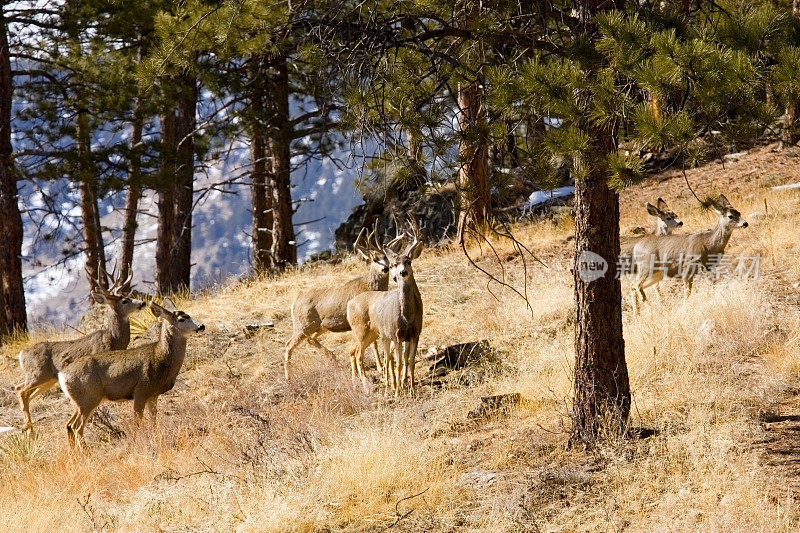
(656, 256)
(319, 310)
(140, 374)
(390, 317)
(666, 222)
(41, 362)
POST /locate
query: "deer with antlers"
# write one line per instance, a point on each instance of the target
(658, 256)
(140, 374)
(319, 310)
(391, 318)
(41, 362)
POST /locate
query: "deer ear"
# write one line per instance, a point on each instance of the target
(169, 305)
(723, 202)
(662, 204)
(652, 210)
(98, 296)
(415, 251)
(159, 311)
(390, 254)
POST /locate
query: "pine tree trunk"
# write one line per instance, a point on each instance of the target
(473, 151)
(176, 190)
(166, 205)
(284, 251)
(261, 175)
(602, 397)
(92, 231)
(261, 199)
(790, 133)
(12, 295)
(473, 175)
(132, 201)
(185, 125)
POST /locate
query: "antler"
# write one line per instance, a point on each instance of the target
(358, 247)
(97, 281)
(413, 227)
(117, 283)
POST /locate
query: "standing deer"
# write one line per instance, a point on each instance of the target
(41, 362)
(140, 374)
(666, 222)
(318, 310)
(390, 317)
(656, 256)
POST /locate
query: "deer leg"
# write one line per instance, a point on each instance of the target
(353, 355)
(687, 286)
(378, 363)
(70, 430)
(388, 365)
(411, 356)
(140, 401)
(81, 418)
(290, 347)
(400, 368)
(313, 341)
(26, 394)
(152, 409)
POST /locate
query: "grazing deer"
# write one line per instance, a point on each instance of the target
(318, 310)
(656, 256)
(140, 374)
(666, 222)
(390, 317)
(41, 362)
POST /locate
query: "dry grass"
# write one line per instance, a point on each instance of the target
(238, 449)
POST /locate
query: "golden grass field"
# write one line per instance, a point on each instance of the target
(714, 376)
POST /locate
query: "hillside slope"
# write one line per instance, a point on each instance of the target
(236, 448)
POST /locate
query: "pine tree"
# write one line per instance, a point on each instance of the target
(12, 297)
(264, 45)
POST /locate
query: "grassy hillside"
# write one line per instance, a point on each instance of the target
(236, 448)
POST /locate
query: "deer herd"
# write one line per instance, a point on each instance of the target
(100, 366)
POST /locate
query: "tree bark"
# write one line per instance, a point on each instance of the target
(473, 150)
(176, 190)
(284, 250)
(790, 131)
(185, 124)
(261, 199)
(132, 201)
(92, 231)
(602, 397)
(261, 178)
(166, 205)
(473, 175)
(12, 296)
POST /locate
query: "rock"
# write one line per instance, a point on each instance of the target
(491, 405)
(251, 329)
(434, 211)
(460, 355)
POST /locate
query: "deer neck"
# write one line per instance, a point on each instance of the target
(409, 295)
(718, 237)
(119, 327)
(377, 281)
(661, 227)
(171, 347)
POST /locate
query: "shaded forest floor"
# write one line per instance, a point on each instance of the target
(715, 379)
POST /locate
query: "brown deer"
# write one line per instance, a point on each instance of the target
(657, 256)
(666, 222)
(390, 317)
(41, 362)
(325, 309)
(140, 374)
